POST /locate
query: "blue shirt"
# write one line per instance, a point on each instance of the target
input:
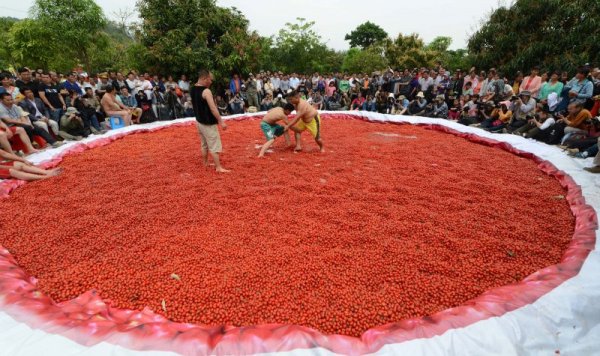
(73, 86)
(584, 90)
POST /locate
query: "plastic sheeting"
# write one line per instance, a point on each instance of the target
(555, 309)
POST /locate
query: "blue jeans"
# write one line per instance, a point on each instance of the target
(369, 107)
(56, 114)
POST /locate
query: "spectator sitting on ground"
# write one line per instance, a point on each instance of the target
(72, 126)
(440, 108)
(15, 167)
(417, 106)
(542, 122)
(522, 107)
(188, 108)
(267, 103)
(357, 103)
(38, 113)
(112, 107)
(370, 104)
(13, 115)
(316, 99)
(576, 121)
(504, 117)
(279, 101)
(88, 106)
(236, 105)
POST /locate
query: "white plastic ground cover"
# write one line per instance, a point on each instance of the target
(565, 321)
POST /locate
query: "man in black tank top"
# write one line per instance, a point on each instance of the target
(207, 119)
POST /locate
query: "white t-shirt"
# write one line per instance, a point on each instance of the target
(546, 124)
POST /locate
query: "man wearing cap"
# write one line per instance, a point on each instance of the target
(71, 125)
(102, 83)
(417, 106)
(440, 108)
(522, 107)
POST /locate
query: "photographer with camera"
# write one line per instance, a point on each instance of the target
(439, 109)
(418, 106)
(71, 125)
(542, 123)
(577, 121)
(522, 106)
(489, 114)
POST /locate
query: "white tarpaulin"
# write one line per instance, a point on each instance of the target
(565, 321)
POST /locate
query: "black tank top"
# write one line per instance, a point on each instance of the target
(201, 108)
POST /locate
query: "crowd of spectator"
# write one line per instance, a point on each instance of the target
(48, 107)
(45, 108)
(551, 106)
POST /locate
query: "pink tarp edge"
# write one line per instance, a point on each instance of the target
(89, 320)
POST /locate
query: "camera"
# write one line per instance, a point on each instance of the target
(513, 98)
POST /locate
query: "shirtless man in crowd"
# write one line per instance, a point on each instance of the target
(272, 129)
(112, 107)
(307, 119)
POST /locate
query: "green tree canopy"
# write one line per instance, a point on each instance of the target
(554, 34)
(364, 61)
(183, 36)
(298, 48)
(408, 52)
(71, 25)
(366, 35)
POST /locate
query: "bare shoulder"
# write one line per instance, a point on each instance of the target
(306, 110)
(274, 115)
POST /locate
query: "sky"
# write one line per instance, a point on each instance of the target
(335, 18)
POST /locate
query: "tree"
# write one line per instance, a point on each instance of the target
(440, 44)
(364, 61)
(366, 35)
(183, 36)
(408, 52)
(71, 25)
(6, 58)
(561, 35)
(298, 48)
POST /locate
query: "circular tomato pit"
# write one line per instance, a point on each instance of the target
(392, 222)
